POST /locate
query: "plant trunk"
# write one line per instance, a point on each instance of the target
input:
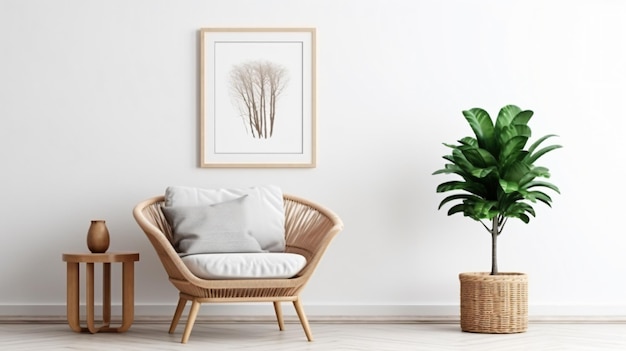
(494, 246)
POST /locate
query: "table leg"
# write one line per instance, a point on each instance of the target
(73, 316)
(90, 299)
(128, 296)
(106, 294)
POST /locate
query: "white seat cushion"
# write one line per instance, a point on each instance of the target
(266, 265)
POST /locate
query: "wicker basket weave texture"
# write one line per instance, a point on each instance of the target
(494, 303)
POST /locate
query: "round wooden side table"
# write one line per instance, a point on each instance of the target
(73, 289)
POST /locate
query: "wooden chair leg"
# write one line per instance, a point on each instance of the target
(279, 315)
(193, 313)
(179, 311)
(303, 320)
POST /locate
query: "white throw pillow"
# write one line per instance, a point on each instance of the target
(263, 205)
(245, 265)
(217, 228)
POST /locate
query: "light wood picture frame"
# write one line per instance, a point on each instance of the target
(257, 97)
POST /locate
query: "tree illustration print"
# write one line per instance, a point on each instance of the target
(256, 87)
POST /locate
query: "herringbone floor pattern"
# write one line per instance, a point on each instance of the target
(328, 337)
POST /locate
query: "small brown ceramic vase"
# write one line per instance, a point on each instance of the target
(98, 237)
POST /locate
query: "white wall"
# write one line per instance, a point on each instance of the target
(99, 110)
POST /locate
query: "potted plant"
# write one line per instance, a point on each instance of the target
(499, 181)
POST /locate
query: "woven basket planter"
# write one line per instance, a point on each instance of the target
(494, 303)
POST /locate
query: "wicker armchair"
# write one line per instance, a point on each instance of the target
(309, 229)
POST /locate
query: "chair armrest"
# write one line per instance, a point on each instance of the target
(309, 229)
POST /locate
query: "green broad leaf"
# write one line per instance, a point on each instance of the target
(513, 131)
(443, 171)
(540, 171)
(516, 172)
(482, 125)
(461, 161)
(455, 185)
(542, 197)
(470, 187)
(468, 211)
(523, 130)
(484, 209)
(449, 158)
(505, 116)
(469, 141)
(508, 186)
(519, 208)
(512, 158)
(448, 169)
(456, 197)
(483, 172)
(479, 157)
(534, 173)
(544, 184)
(511, 149)
(451, 185)
(524, 218)
(456, 209)
(522, 117)
(486, 214)
(507, 199)
(450, 166)
(533, 157)
(467, 177)
(527, 195)
(538, 142)
(531, 211)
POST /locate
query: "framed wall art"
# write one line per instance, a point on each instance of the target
(257, 99)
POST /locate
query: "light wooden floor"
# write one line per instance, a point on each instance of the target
(328, 337)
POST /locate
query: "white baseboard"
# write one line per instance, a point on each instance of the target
(260, 312)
